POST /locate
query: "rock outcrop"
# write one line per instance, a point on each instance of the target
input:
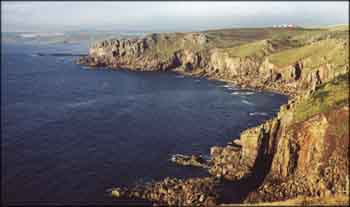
(193, 160)
(192, 54)
(174, 192)
(311, 159)
(308, 157)
(256, 143)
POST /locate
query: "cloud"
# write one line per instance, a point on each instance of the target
(161, 15)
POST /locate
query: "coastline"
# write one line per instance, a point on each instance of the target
(271, 158)
(232, 82)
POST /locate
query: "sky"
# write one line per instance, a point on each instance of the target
(166, 16)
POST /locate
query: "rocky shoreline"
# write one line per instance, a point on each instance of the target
(173, 191)
(287, 156)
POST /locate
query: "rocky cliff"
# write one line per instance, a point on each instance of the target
(262, 64)
(302, 151)
(295, 153)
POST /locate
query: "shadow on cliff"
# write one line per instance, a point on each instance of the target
(237, 191)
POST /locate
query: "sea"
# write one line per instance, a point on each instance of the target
(69, 132)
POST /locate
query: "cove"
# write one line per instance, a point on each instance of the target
(70, 132)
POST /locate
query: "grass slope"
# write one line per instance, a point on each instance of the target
(329, 95)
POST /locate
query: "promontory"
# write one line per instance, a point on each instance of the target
(301, 156)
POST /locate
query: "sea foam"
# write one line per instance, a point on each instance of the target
(247, 102)
(258, 114)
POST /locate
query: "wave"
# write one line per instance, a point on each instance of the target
(86, 67)
(242, 93)
(35, 35)
(248, 93)
(81, 103)
(247, 102)
(230, 87)
(61, 54)
(258, 114)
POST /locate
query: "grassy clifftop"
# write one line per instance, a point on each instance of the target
(329, 95)
(288, 60)
(245, 41)
(321, 52)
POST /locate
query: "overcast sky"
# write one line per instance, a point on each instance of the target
(167, 16)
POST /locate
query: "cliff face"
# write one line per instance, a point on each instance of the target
(304, 149)
(264, 64)
(154, 52)
(295, 157)
(312, 149)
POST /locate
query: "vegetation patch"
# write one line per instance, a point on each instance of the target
(319, 53)
(329, 95)
(256, 49)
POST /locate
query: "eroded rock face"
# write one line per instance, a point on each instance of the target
(296, 71)
(142, 54)
(310, 159)
(226, 163)
(222, 65)
(161, 52)
(123, 47)
(235, 163)
(197, 38)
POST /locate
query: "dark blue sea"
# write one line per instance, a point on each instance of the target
(68, 132)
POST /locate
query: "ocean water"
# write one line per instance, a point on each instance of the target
(69, 132)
